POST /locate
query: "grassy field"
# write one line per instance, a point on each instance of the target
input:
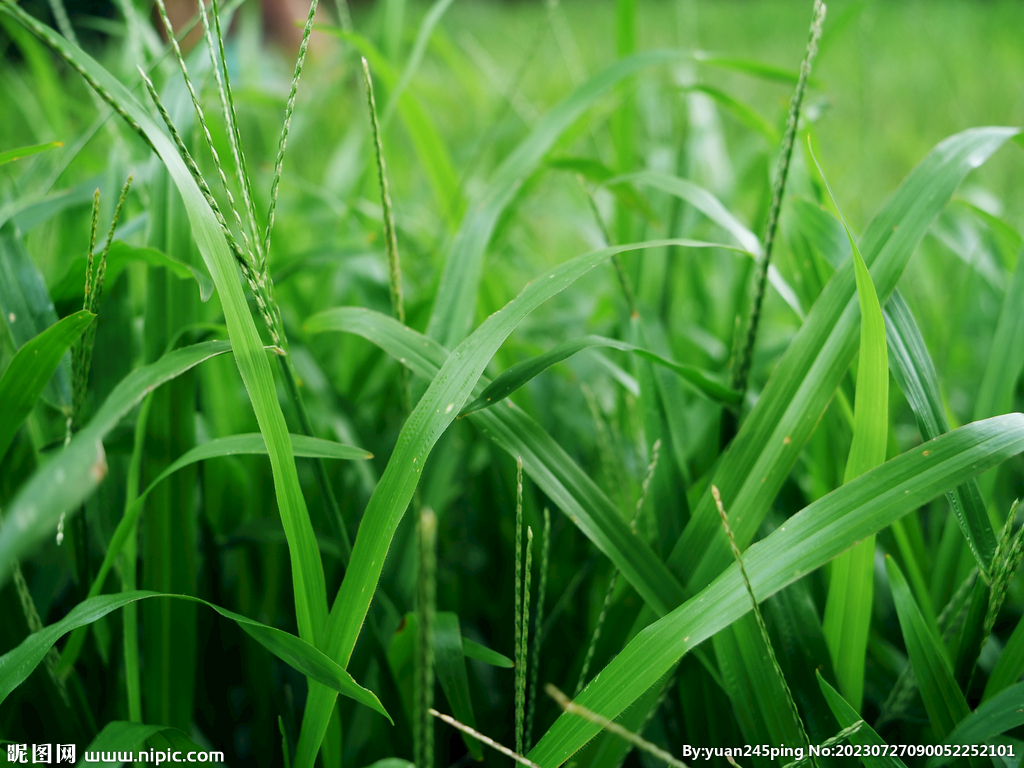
(607, 346)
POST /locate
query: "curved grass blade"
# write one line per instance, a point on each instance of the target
(743, 112)
(1004, 361)
(307, 570)
(31, 368)
(712, 207)
(17, 665)
(773, 435)
(10, 155)
(865, 736)
(994, 717)
(482, 653)
(70, 477)
(455, 301)
(943, 700)
(912, 368)
(750, 67)
(851, 586)
(119, 256)
(233, 445)
(519, 374)
(807, 541)
(439, 406)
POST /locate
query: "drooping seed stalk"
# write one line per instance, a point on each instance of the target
(614, 580)
(485, 739)
(201, 117)
(738, 556)
(227, 103)
(523, 644)
(741, 364)
(423, 726)
(635, 739)
(538, 634)
(289, 110)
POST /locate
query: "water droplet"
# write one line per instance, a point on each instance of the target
(449, 408)
(11, 317)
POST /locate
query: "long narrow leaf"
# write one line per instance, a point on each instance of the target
(31, 369)
(943, 700)
(17, 665)
(851, 586)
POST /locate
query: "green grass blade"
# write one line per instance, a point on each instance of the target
(866, 736)
(430, 21)
(10, 155)
(16, 665)
(807, 541)
(439, 406)
(773, 435)
(70, 477)
(455, 303)
(994, 717)
(453, 675)
(27, 308)
(742, 111)
(486, 655)
(712, 207)
(554, 471)
(233, 445)
(307, 571)
(751, 67)
(1007, 353)
(31, 369)
(914, 372)
(519, 374)
(851, 586)
(943, 700)
(1010, 665)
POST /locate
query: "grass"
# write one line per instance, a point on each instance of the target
(219, 513)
